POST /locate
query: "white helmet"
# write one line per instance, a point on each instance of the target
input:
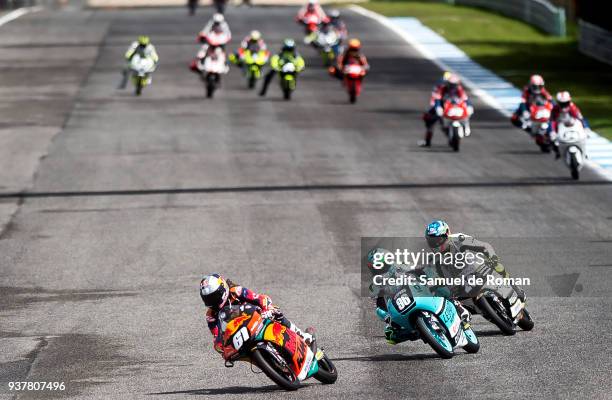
(255, 35)
(218, 18)
(564, 99)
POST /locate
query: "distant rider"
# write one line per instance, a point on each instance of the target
(216, 24)
(338, 25)
(252, 43)
(311, 8)
(564, 105)
(217, 292)
(352, 55)
(449, 86)
(288, 53)
(531, 92)
(142, 47)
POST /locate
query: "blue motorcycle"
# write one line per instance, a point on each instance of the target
(419, 315)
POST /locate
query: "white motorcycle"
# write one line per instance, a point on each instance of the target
(329, 44)
(142, 67)
(211, 67)
(571, 138)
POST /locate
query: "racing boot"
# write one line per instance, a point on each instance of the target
(427, 141)
(464, 314)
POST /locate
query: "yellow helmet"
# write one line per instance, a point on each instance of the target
(446, 76)
(354, 44)
(143, 40)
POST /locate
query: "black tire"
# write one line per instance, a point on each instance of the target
(210, 85)
(454, 139)
(261, 358)
(526, 323)
(327, 373)
(426, 335)
(251, 81)
(352, 96)
(287, 94)
(472, 347)
(490, 313)
(544, 147)
(574, 168)
(138, 89)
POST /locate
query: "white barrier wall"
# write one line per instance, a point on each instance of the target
(595, 42)
(539, 13)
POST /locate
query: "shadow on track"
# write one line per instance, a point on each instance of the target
(389, 357)
(532, 182)
(224, 391)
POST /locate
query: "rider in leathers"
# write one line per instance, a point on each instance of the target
(217, 292)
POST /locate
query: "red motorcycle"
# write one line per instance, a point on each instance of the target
(455, 120)
(311, 22)
(536, 121)
(353, 78)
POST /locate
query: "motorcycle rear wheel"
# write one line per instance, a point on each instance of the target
(138, 89)
(327, 373)
(268, 365)
(426, 332)
(490, 313)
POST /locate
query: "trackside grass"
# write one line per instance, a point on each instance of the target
(515, 50)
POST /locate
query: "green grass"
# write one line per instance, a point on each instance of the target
(515, 50)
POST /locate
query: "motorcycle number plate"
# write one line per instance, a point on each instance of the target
(240, 337)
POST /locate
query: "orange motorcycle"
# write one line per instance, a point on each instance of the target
(280, 353)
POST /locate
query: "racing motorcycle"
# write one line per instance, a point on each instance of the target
(571, 138)
(288, 82)
(311, 23)
(455, 116)
(254, 63)
(353, 78)
(211, 67)
(536, 122)
(500, 304)
(280, 353)
(328, 43)
(432, 319)
(141, 67)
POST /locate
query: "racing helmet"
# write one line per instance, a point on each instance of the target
(436, 234)
(214, 291)
(536, 84)
(564, 99)
(354, 44)
(218, 18)
(255, 36)
(334, 14)
(288, 45)
(377, 255)
(143, 40)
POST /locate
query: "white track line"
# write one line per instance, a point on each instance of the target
(17, 13)
(595, 143)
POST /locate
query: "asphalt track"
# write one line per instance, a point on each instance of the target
(130, 200)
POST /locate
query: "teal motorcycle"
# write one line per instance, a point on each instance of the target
(419, 315)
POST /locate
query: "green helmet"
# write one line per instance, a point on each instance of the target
(143, 40)
(288, 45)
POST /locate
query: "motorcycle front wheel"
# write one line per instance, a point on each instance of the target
(574, 168)
(491, 310)
(454, 139)
(279, 374)
(526, 323)
(139, 85)
(327, 373)
(437, 340)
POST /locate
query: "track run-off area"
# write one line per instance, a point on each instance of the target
(112, 207)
